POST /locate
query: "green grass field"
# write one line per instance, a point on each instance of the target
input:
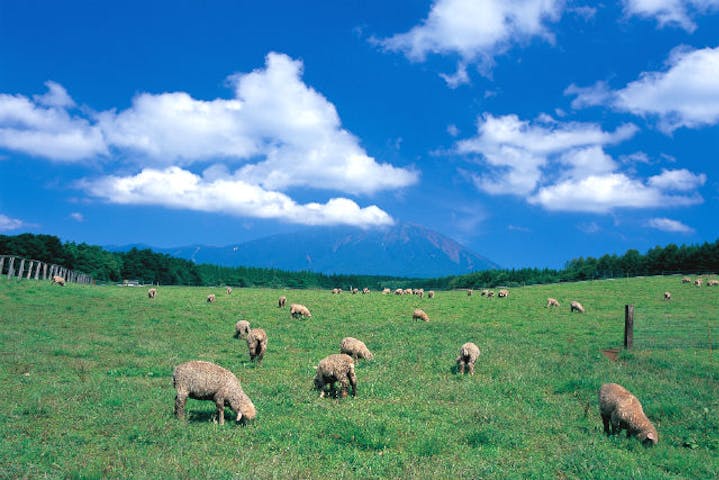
(86, 388)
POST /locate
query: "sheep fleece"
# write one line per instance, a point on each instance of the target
(622, 410)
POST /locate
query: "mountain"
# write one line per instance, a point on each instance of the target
(405, 250)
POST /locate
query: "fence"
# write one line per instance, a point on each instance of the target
(19, 267)
(652, 331)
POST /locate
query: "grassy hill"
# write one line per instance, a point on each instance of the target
(86, 388)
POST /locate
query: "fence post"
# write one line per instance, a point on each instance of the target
(10, 269)
(2, 262)
(628, 326)
(21, 268)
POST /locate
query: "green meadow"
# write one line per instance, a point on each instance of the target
(86, 383)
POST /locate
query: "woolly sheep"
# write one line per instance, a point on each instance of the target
(338, 367)
(420, 314)
(576, 306)
(420, 293)
(257, 344)
(152, 293)
(468, 355)
(355, 349)
(56, 279)
(242, 328)
(228, 290)
(430, 294)
(621, 409)
(386, 291)
(211, 298)
(408, 291)
(206, 381)
(503, 293)
(469, 292)
(355, 291)
(686, 280)
(698, 282)
(336, 291)
(365, 291)
(484, 293)
(297, 310)
(552, 302)
(667, 296)
(490, 293)
(399, 291)
(713, 283)
(281, 302)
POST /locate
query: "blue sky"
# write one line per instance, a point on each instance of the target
(532, 131)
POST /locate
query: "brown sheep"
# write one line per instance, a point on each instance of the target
(355, 349)
(152, 293)
(712, 283)
(503, 293)
(228, 290)
(698, 282)
(242, 328)
(576, 306)
(257, 344)
(211, 298)
(622, 410)
(468, 355)
(399, 291)
(686, 280)
(430, 294)
(338, 367)
(206, 381)
(420, 314)
(57, 279)
(365, 291)
(297, 310)
(281, 302)
(552, 302)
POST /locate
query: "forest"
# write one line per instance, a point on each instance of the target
(154, 268)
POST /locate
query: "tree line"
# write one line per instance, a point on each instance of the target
(148, 267)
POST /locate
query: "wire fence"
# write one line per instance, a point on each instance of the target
(29, 269)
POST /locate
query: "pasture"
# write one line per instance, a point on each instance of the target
(86, 388)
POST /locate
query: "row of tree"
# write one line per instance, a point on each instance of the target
(150, 267)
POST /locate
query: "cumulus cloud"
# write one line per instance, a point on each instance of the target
(686, 94)
(7, 223)
(677, 13)
(564, 167)
(175, 187)
(476, 31)
(669, 225)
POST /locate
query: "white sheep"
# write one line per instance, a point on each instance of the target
(281, 302)
(468, 355)
(552, 302)
(57, 279)
(211, 298)
(355, 348)
(622, 410)
(297, 310)
(667, 296)
(386, 291)
(420, 314)
(257, 344)
(338, 367)
(503, 293)
(576, 306)
(430, 294)
(242, 328)
(152, 293)
(228, 290)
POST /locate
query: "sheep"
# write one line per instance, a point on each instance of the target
(57, 279)
(503, 293)
(281, 302)
(338, 367)
(297, 310)
(386, 291)
(490, 293)
(430, 294)
(211, 298)
(228, 290)
(408, 291)
(468, 354)
(713, 283)
(576, 306)
(469, 292)
(698, 282)
(420, 314)
(355, 349)
(552, 302)
(152, 293)
(242, 328)
(686, 280)
(399, 291)
(257, 344)
(365, 291)
(667, 296)
(206, 381)
(336, 291)
(621, 409)
(420, 293)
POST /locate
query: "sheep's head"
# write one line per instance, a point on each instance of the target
(369, 355)
(244, 407)
(649, 437)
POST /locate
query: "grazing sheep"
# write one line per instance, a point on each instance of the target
(257, 343)
(420, 314)
(468, 355)
(56, 279)
(365, 291)
(490, 293)
(469, 292)
(686, 280)
(621, 409)
(338, 367)
(420, 293)
(484, 293)
(552, 302)
(430, 294)
(211, 298)
(228, 290)
(281, 302)
(713, 283)
(336, 291)
(297, 310)
(667, 296)
(355, 349)
(503, 293)
(206, 381)
(698, 282)
(152, 293)
(408, 291)
(399, 291)
(576, 306)
(386, 291)
(242, 328)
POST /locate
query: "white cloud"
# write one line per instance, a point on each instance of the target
(476, 31)
(671, 12)
(669, 225)
(7, 223)
(681, 180)
(686, 94)
(77, 216)
(174, 187)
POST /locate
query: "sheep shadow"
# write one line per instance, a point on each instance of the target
(208, 416)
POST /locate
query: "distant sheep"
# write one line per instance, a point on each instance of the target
(552, 302)
(576, 306)
(399, 291)
(698, 282)
(152, 293)
(281, 302)
(355, 291)
(228, 290)
(408, 291)
(57, 279)
(338, 367)
(355, 349)
(686, 280)
(469, 292)
(490, 293)
(667, 296)
(713, 283)
(468, 355)
(365, 291)
(242, 328)
(503, 293)
(211, 298)
(430, 294)
(420, 314)
(386, 291)
(257, 344)
(206, 381)
(622, 410)
(297, 310)
(420, 293)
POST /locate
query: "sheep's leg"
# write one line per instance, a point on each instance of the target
(605, 420)
(220, 404)
(461, 368)
(344, 383)
(471, 368)
(180, 400)
(353, 383)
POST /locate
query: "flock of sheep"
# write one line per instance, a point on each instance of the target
(201, 380)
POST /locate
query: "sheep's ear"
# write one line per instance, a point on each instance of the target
(652, 437)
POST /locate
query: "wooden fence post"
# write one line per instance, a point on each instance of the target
(10, 269)
(2, 262)
(21, 268)
(628, 326)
